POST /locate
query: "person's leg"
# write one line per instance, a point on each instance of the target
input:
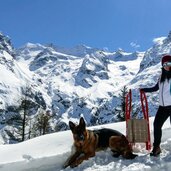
(160, 118)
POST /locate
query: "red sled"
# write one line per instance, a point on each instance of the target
(137, 130)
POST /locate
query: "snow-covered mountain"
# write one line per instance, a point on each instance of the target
(72, 82)
(150, 69)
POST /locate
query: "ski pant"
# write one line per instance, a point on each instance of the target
(161, 116)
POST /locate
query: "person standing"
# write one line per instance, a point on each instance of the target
(164, 110)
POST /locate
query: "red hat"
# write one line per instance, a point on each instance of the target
(166, 58)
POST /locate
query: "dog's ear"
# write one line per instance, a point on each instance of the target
(71, 125)
(82, 123)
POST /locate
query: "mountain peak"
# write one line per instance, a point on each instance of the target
(5, 44)
(80, 50)
(32, 46)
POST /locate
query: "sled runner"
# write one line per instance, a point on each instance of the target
(137, 130)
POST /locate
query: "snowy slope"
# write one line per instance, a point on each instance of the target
(49, 152)
(14, 83)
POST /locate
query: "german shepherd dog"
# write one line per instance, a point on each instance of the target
(87, 142)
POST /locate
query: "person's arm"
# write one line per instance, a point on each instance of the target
(151, 89)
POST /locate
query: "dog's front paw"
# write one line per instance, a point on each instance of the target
(65, 165)
(74, 165)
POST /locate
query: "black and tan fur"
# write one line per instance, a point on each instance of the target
(87, 142)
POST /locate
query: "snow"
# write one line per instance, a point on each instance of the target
(159, 40)
(49, 153)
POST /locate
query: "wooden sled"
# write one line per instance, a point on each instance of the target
(137, 130)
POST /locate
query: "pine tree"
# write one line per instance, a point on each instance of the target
(120, 110)
(24, 107)
(41, 125)
(24, 119)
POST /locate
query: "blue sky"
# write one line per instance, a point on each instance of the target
(127, 24)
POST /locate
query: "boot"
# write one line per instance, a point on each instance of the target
(156, 151)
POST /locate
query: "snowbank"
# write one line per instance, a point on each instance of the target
(49, 152)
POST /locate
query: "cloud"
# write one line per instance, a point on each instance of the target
(134, 45)
(158, 40)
